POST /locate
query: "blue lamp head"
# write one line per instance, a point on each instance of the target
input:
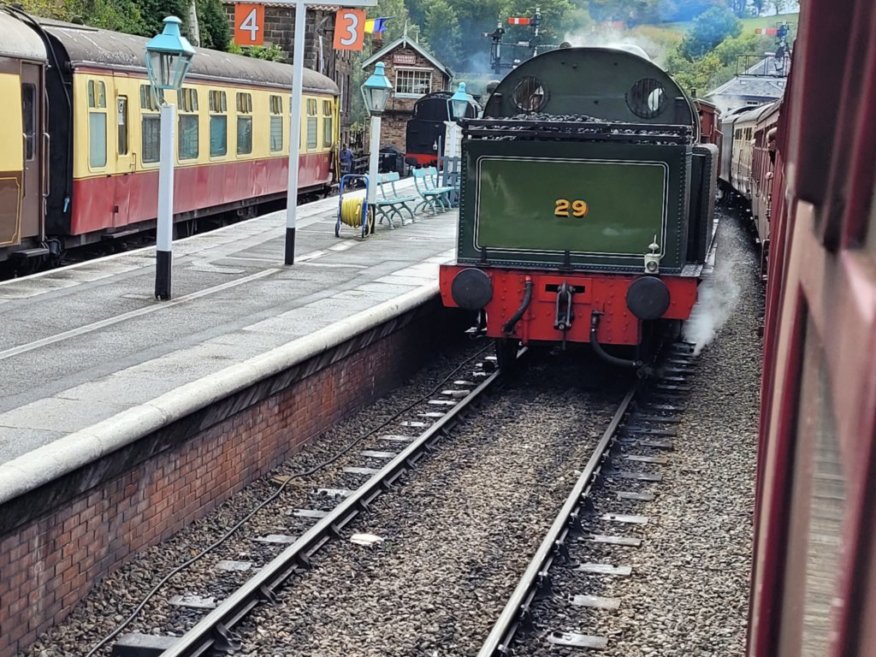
(168, 56)
(376, 91)
(459, 102)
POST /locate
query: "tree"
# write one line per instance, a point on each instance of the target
(441, 28)
(709, 29)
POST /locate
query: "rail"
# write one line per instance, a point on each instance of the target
(214, 630)
(535, 577)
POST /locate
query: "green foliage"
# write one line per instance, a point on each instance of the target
(441, 25)
(142, 17)
(701, 75)
(213, 24)
(709, 29)
(272, 52)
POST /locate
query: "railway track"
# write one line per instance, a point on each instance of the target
(540, 613)
(200, 625)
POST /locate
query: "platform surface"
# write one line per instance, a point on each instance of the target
(82, 344)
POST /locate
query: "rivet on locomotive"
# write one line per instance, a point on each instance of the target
(587, 203)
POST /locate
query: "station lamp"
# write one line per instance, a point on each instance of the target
(168, 57)
(459, 102)
(375, 92)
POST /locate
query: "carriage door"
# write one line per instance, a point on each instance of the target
(124, 162)
(35, 181)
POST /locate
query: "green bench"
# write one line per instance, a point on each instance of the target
(389, 202)
(432, 195)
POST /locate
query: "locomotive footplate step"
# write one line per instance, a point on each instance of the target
(575, 640)
(636, 496)
(605, 569)
(594, 601)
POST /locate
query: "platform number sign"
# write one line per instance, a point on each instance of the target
(349, 29)
(249, 24)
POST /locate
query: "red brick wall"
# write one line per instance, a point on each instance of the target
(50, 563)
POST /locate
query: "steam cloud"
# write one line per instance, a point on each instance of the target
(718, 295)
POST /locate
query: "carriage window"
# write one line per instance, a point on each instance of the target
(150, 124)
(28, 110)
(122, 121)
(188, 124)
(646, 98)
(96, 124)
(529, 94)
(327, 124)
(218, 124)
(276, 127)
(312, 124)
(244, 124)
(413, 81)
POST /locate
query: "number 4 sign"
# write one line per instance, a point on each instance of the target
(349, 29)
(249, 24)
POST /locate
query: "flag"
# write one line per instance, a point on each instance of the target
(375, 25)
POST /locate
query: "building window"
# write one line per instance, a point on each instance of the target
(96, 124)
(312, 124)
(276, 127)
(327, 124)
(188, 125)
(244, 123)
(218, 124)
(150, 125)
(413, 82)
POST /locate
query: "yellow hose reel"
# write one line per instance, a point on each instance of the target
(351, 212)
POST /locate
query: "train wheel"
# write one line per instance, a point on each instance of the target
(506, 354)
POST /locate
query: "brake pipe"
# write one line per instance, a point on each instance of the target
(527, 298)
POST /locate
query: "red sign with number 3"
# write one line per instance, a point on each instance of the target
(249, 24)
(349, 29)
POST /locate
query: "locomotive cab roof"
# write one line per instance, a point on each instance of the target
(607, 84)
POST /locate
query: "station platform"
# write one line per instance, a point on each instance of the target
(86, 350)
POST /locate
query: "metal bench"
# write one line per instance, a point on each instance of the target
(433, 196)
(389, 202)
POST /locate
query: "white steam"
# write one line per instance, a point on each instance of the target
(604, 35)
(718, 294)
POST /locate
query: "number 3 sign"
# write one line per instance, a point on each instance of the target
(349, 29)
(249, 24)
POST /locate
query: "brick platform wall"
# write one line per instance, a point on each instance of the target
(62, 539)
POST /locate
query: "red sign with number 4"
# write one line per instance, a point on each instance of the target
(249, 24)
(349, 29)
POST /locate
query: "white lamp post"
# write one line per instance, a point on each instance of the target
(168, 56)
(375, 93)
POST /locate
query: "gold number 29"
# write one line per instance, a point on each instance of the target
(562, 205)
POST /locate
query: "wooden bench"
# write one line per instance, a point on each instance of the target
(389, 202)
(433, 196)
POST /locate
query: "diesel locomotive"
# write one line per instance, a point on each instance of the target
(587, 206)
